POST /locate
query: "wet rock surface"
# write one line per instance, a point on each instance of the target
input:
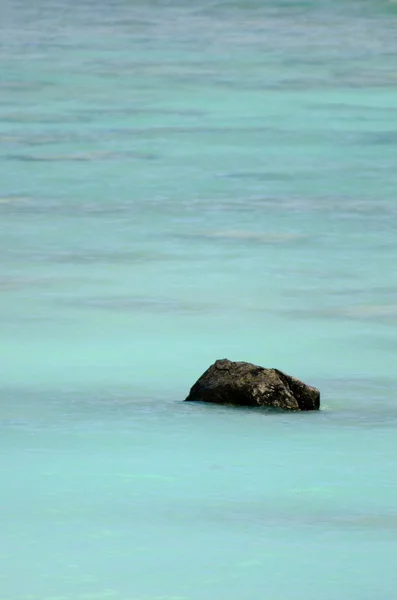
(245, 384)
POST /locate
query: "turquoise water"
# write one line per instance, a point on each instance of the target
(181, 182)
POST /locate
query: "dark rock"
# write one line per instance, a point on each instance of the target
(245, 384)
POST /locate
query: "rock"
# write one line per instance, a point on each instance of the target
(245, 384)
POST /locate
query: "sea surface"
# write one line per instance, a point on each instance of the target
(182, 181)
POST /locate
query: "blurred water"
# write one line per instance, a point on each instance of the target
(180, 183)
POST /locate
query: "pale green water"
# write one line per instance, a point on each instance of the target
(181, 182)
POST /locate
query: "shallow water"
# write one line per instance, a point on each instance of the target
(178, 184)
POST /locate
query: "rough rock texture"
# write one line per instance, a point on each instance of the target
(245, 384)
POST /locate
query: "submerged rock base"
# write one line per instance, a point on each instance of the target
(245, 384)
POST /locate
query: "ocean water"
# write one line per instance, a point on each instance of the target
(179, 182)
